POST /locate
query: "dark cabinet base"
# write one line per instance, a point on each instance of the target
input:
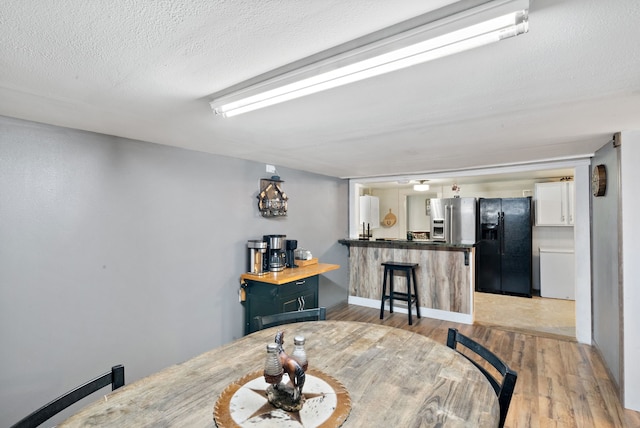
(267, 299)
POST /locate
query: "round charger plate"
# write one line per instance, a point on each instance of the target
(244, 404)
(389, 220)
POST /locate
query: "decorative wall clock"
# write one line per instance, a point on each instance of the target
(599, 180)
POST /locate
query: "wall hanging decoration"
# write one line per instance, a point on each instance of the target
(456, 190)
(599, 180)
(272, 201)
(389, 220)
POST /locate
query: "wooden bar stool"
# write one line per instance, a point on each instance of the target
(411, 298)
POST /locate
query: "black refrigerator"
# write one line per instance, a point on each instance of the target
(503, 248)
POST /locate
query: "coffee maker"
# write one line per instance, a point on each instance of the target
(257, 251)
(275, 260)
(291, 245)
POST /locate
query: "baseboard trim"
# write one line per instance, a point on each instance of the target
(425, 312)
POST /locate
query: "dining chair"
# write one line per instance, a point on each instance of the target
(315, 314)
(503, 387)
(115, 378)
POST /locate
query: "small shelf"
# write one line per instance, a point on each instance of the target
(272, 201)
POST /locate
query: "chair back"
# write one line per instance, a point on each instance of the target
(314, 314)
(504, 385)
(115, 378)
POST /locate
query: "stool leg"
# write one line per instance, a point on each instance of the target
(384, 292)
(409, 295)
(391, 272)
(415, 290)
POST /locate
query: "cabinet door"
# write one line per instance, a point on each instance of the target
(550, 209)
(299, 295)
(570, 195)
(262, 299)
(299, 302)
(555, 203)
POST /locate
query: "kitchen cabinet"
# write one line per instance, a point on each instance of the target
(263, 298)
(554, 203)
(275, 292)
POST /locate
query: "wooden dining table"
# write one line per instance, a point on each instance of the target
(391, 377)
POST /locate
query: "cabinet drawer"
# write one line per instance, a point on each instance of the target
(300, 286)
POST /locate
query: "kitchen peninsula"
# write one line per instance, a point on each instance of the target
(274, 292)
(445, 276)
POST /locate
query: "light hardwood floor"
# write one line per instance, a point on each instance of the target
(561, 383)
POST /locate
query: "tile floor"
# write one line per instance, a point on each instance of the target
(553, 317)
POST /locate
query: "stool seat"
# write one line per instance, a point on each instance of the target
(401, 265)
(411, 298)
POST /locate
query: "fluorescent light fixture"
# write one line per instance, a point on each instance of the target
(422, 187)
(458, 27)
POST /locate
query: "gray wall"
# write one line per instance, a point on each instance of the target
(630, 293)
(120, 251)
(607, 322)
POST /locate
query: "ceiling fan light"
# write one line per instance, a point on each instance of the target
(421, 187)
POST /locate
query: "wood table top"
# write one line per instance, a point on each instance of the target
(394, 378)
(291, 274)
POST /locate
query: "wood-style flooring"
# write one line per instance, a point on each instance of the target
(561, 383)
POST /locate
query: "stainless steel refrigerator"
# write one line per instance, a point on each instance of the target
(503, 250)
(453, 220)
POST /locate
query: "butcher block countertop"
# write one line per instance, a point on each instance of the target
(290, 274)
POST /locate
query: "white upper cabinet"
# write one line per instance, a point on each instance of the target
(555, 203)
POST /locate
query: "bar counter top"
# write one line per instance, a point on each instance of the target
(404, 244)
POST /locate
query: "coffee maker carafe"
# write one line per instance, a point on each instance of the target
(276, 258)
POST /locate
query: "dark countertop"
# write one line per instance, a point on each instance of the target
(404, 244)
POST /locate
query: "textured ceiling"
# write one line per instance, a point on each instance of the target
(146, 70)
